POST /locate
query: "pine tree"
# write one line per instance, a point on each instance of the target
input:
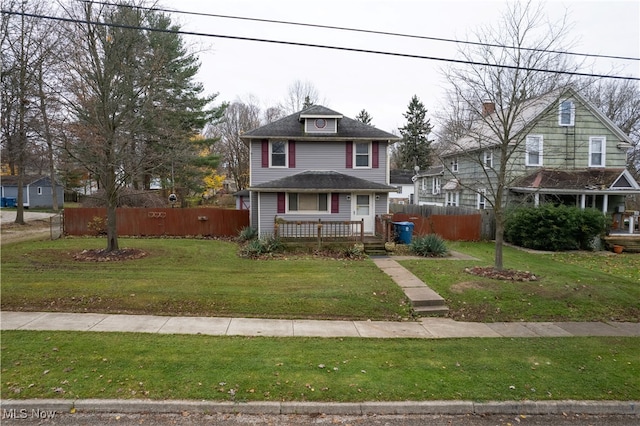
(364, 117)
(415, 147)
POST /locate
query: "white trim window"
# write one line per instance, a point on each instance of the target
(423, 184)
(435, 185)
(278, 153)
(487, 161)
(452, 199)
(454, 165)
(362, 155)
(533, 156)
(482, 199)
(566, 113)
(304, 202)
(39, 190)
(597, 151)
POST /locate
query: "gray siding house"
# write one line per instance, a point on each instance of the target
(36, 190)
(318, 165)
(564, 150)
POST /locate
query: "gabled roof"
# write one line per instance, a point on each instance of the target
(401, 177)
(531, 111)
(579, 180)
(318, 181)
(432, 171)
(12, 180)
(292, 127)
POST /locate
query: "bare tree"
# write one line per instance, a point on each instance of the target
(300, 95)
(136, 106)
(619, 100)
(239, 117)
(493, 96)
(27, 46)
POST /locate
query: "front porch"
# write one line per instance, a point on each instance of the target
(625, 231)
(328, 232)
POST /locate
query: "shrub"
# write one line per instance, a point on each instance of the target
(355, 251)
(262, 246)
(430, 245)
(554, 228)
(247, 233)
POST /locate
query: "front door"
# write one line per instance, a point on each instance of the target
(362, 209)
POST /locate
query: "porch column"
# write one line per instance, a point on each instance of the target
(632, 225)
(605, 203)
(536, 199)
(583, 201)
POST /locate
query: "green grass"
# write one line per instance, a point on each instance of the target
(573, 286)
(116, 365)
(194, 277)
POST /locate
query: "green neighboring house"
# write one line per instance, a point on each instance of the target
(564, 151)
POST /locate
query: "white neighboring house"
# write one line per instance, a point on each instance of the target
(402, 179)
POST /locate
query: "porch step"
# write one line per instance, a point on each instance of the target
(425, 301)
(431, 310)
(375, 248)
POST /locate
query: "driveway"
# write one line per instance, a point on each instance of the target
(37, 226)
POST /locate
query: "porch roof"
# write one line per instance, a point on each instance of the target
(318, 180)
(590, 181)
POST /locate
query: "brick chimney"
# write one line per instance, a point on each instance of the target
(488, 108)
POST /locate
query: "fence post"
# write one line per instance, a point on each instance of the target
(362, 231)
(275, 226)
(319, 233)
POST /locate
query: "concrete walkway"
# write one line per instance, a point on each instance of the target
(425, 328)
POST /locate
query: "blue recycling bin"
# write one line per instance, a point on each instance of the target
(404, 231)
(10, 202)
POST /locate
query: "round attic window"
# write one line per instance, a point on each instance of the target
(320, 123)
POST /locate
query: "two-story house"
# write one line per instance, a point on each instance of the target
(563, 150)
(318, 165)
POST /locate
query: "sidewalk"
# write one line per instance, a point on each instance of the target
(425, 328)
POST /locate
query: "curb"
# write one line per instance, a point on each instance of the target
(61, 406)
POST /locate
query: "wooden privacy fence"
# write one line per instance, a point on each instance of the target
(451, 223)
(158, 221)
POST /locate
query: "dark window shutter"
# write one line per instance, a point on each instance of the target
(349, 155)
(375, 148)
(281, 202)
(292, 154)
(335, 203)
(265, 153)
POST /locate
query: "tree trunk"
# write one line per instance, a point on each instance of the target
(48, 137)
(112, 204)
(499, 243)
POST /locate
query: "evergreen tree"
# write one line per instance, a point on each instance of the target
(364, 117)
(415, 147)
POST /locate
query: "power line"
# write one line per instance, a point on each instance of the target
(360, 30)
(320, 46)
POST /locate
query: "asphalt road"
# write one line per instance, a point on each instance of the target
(190, 419)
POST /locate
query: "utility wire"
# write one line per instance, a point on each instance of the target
(360, 30)
(320, 46)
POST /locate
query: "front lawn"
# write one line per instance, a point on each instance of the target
(194, 278)
(128, 365)
(571, 286)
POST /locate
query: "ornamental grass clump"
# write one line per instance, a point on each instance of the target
(247, 234)
(260, 247)
(430, 245)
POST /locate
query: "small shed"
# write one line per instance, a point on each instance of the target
(37, 191)
(243, 200)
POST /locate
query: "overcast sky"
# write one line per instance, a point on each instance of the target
(383, 85)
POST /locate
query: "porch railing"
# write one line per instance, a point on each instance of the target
(319, 230)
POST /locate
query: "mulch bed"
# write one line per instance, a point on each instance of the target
(102, 255)
(505, 274)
